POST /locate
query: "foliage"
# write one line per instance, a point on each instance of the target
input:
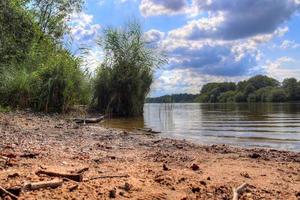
(277, 95)
(174, 98)
(4, 109)
(124, 78)
(212, 91)
(256, 89)
(227, 97)
(35, 70)
(292, 88)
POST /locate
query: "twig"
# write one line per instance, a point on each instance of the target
(74, 177)
(103, 177)
(238, 190)
(80, 171)
(2, 190)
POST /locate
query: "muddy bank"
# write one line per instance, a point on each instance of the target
(132, 165)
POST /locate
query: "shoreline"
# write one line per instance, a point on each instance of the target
(151, 167)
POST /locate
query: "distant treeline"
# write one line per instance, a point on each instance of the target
(256, 89)
(174, 98)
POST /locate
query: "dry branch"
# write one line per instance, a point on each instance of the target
(4, 191)
(80, 171)
(103, 177)
(238, 190)
(88, 120)
(44, 184)
(74, 177)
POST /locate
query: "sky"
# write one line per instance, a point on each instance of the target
(204, 40)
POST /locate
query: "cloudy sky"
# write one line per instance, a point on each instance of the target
(205, 40)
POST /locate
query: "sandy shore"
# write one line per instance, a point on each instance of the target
(145, 166)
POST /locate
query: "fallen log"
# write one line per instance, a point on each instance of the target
(43, 184)
(88, 120)
(237, 191)
(5, 192)
(74, 177)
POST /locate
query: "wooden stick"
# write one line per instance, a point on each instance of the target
(2, 190)
(74, 177)
(238, 190)
(80, 171)
(43, 184)
(102, 177)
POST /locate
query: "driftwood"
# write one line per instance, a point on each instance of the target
(237, 191)
(5, 192)
(103, 177)
(80, 171)
(74, 177)
(88, 120)
(43, 184)
(149, 130)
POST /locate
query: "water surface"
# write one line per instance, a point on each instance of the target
(248, 125)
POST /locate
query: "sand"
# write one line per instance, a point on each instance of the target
(145, 165)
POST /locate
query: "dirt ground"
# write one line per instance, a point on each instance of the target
(135, 165)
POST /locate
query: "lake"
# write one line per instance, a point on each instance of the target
(248, 125)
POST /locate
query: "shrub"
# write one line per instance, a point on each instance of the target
(123, 80)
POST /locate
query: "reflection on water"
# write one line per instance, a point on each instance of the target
(264, 124)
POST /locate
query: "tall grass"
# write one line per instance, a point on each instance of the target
(35, 70)
(123, 80)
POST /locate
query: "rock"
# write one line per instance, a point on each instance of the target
(203, 183)
(245, 174)
(208, 178)
(112, 193)
(165, 168)
(195, 167)
(127, 187)
(13, 175)
(121, 193)
(195, 189)
(254, 155)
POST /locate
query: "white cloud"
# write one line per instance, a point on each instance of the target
(154, 36)
(282, 67)
(185, 81)
(288, 44)
(82, 28)
(92, 58)
(163, 7)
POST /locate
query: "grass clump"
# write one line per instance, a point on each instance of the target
(123, 80)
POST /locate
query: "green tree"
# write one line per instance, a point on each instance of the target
(292, 89)
(124, 78)
(227, 97)
(240, 97)
(277, 95)
(35, 70)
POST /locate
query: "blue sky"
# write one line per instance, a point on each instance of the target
(205, 40)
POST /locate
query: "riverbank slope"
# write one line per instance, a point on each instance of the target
(134, 165)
